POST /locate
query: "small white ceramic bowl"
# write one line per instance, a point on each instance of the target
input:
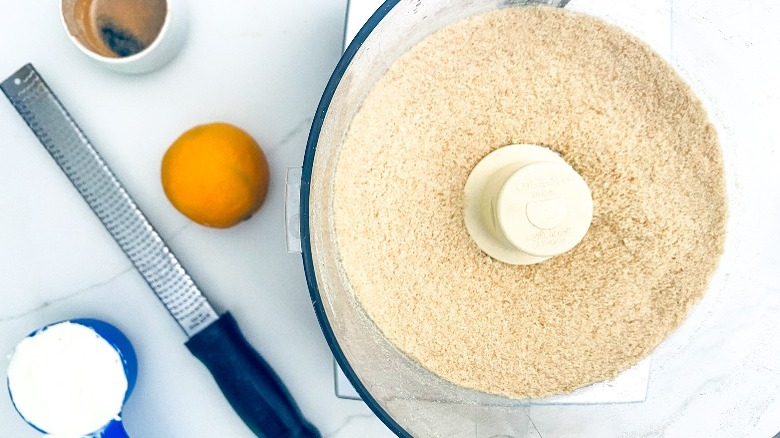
(165, 46)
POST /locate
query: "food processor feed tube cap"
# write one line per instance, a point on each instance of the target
(524, 204)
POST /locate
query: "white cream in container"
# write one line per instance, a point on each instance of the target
(66, 380)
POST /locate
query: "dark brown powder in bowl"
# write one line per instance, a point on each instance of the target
(115, 28)
(618, 114)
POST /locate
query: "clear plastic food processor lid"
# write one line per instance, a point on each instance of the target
(718, 362)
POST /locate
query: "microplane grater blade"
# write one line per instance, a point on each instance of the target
(106, 196)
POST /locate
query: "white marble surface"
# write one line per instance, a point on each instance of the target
(262, 66)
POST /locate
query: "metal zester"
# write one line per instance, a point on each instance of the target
(247, 381)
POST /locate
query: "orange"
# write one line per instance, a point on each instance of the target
(215, 174)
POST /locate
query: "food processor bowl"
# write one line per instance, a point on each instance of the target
(408, 398)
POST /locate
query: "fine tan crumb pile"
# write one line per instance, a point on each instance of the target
(618, 114)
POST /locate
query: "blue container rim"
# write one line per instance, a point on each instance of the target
(308, 262)
(118, 341)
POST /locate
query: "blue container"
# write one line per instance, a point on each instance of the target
(117, 339)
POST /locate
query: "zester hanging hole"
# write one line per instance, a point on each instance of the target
(17, 81)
